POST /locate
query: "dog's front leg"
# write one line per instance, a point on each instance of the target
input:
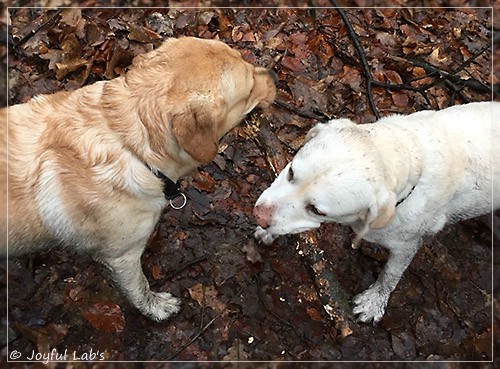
(371, 303)
(128, 275)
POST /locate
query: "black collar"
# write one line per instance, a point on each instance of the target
(404, 198)
(171, 189)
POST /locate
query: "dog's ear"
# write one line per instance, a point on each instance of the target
(381, 213)
(377, 216)
(196, 133)
(384, 215)
(313, 132)
(337, 123)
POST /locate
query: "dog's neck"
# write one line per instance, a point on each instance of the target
(146, 137)
(401, 163)
(171, 189)
(401, 200)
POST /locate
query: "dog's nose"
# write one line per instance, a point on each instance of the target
(263, 214)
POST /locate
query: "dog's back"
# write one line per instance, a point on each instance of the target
(455, 147)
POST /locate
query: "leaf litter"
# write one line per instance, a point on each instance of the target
(243, 301)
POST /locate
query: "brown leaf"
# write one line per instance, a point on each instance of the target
(236, 34)
(73, 18)
(206, 296)
(249, 37)
(156, 272)
(418, 72)
(236, 352)
(393, 77)
(314, 314)
(435, 58)
(142, 34)
(293, 64)
(400, 99)
(44, 338)
(311, 93)
(106, 317)
(272, 33)
(352, 78)
(202, 181)
(299, 48)
(53, 56)
(62, 69)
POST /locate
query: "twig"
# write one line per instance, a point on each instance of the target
(300, 113)
(198, 335)
(280, 56)
(178, 270)
(471, 59)
(429, 68)
(27, 36)
(361, 55)
(406, 86)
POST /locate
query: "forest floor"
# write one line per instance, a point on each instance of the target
(241, 300)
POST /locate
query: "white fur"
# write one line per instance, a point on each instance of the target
(438, 163)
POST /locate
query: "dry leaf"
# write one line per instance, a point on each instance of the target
(206, 296)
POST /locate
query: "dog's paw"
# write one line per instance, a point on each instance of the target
(264, 236)
(161, 305)
(370, 305)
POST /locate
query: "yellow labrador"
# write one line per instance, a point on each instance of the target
(90, 169)
(393, 182)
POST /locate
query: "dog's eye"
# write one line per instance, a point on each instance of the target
(313, 209)
(290, 174)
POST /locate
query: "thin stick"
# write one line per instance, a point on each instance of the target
(34, 31)
(300, 113)
(361, 55)
(194, 338)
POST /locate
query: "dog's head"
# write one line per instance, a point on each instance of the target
(193, 91)
(335, 177)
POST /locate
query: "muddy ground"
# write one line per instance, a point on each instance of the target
(243, 301)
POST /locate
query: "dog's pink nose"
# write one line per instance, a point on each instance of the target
(263, 214)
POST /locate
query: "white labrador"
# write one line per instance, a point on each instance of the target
(393, 182)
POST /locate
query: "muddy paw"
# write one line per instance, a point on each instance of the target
(370, 305)
(264, 236)
(160, 306)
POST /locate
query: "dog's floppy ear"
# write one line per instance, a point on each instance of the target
(382, 215)
(382, 211)
(313, 132)
(377, 216)
(337, 123)
(196, 132)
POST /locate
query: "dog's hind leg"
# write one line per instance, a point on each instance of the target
(371, 303)
(128, 275)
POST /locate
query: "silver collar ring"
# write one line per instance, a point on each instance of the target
(178, 207)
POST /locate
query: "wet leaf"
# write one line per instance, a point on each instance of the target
(106, 317)
(236, 352)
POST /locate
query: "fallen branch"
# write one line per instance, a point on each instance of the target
(450, 79)
(334, 299)
(429, 68)
(361, 55)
